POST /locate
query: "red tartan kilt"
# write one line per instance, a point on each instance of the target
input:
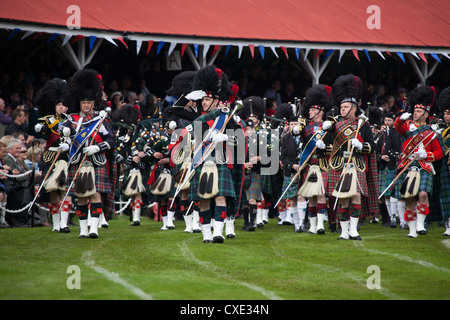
(102, 183)
(324, 178)
(333, 178)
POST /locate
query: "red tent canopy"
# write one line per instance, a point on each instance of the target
(403, 23)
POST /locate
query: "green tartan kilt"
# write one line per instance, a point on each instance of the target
(292, 191)
(254, 192)
(385, 177)
(426, 180)
(226, 184)
(266, 183)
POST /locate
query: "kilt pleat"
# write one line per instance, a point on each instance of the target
(254, 192)
(292, 191)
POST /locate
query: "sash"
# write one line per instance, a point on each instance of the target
(346, 132)
(413, 144)
(310, 145)
(82, 137)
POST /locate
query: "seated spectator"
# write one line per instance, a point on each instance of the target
(18, 123)
(3, 195)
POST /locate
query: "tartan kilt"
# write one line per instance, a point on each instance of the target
(385, 177)
(266, 183)
(444, 195)
(426, 181)
(226, 183)
(159, 198)
(102, 183)
(333, 178)
(254, 192)
(304, 174)
(292, 191)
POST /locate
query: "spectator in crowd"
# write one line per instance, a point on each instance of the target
(18, 123)
(5, 114)
(3, 192)
(274, 91)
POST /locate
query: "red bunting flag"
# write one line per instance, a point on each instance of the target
(318, 53)
(150, 44)
(77, 38)
(123, 42)
(285, 52)
(252, 50)
(355, 53)
(422, 56)
(183, 48)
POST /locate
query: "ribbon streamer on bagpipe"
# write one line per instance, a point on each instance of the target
(408, 165)
(206, 147)
(98, 125)
(361, 121)
(304, 159)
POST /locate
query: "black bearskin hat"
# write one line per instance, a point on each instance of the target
(444, 100)
(129, 114)
(422, 97)
(50, 95)
(285, 111)
(375, 115)
(320, 97)
(347, 88)
(85, 85)
(209, 80)
(182, 83)
(252, 105)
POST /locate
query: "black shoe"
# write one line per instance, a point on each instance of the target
(245, 228)
(64, 230)
(252, 228)
(231, 236)
(93, 235)
(83, 236)
(320, 231)
(358, 237)
(207, 241)
(218, 239)
(197, 231)
(260, 225)
(341, 238)
(135, 223)
(422, 232)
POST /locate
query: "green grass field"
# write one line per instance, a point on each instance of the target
(272, 263)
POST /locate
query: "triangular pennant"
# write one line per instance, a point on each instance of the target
(13, 33)
(171, 47)
(341, 53)
(400, 54)
(297, 53)
(389, 53)
(367, 54)
(138, 46)
(422, 56)
(381, 54)
(216, 47)
(355, 53)
(306, 54)
(149, 46)
(109, 39)
(446, 55)
(40, 34)
(415, 55)
(196, 50)
(252, 50)
(285, 51)
(160, 46)
(183, 48)
(92, 41)
(261, 50)
(435, 56)
(52, 37)
(329, 52)
(27, 34)
(77, 38)
(123, 42)
(226, 50)
(239, 50)
(274, 51)
(205, 49)
(318, 53)
(66, 39)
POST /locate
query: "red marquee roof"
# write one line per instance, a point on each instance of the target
(403, 23)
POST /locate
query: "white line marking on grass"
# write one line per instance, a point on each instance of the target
(446, 243)
(400, 257)
(189, 255)
(114, 277)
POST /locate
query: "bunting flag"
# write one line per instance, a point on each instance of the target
(183, 48)
(13, 33)
(274, 51)
(341, 53)
(52, 37)
(92, 41)
(138, 46)
(355, 53)
(239, 50)
(306, 54)
(78, 38)
(27, 34)
(367, 54)
(215, 49)
(381, 54)
(109, 39)
(196, 50)
(422, 56)
(205, 49)
(261, 50)
(285, 51)
(252, 50)
(171, 48)
(123, 42)
(415, 55)
(329, 53)
(226, 50)
(297, 53)
(400, 54)
(446, 55)
(435, 56)
(149, 46)
(66, 39)
(318, 53)
(160, 46)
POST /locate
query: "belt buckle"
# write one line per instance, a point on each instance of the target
(346, 154)
(414, 168)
